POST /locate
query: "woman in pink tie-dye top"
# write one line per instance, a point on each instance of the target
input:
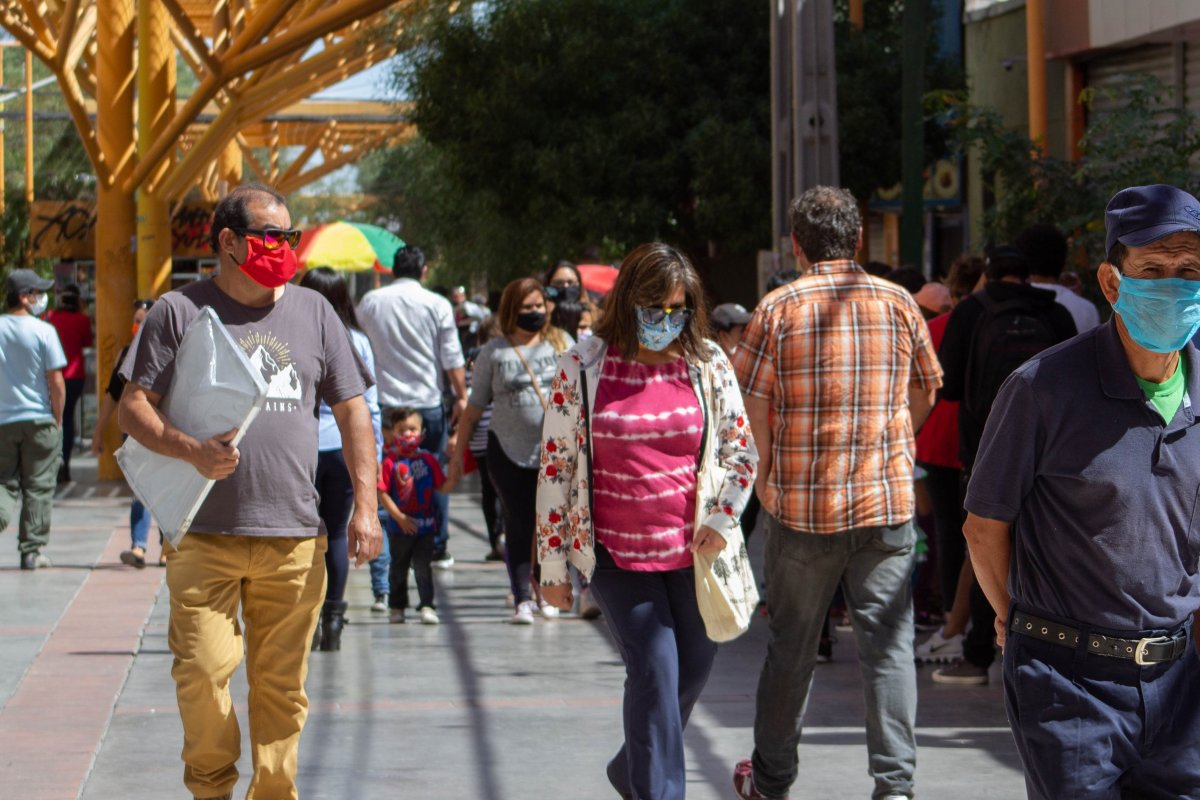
(642, 415)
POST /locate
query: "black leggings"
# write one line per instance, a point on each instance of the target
(75, 389)
(337, 499)
(517, 487)
(490, 500)
(945, 488)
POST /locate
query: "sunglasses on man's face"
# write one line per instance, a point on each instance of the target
(654, 315)
(272, 238)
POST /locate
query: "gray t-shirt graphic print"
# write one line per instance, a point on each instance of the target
(304, 354)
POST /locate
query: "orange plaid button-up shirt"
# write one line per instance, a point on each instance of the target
(835, 353)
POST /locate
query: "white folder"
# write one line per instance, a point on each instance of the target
(214, 388)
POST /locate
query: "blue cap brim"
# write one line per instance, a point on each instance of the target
(1145, 236)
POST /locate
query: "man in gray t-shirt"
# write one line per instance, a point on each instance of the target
(253, 549)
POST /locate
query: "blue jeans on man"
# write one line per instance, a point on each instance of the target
(874, 566)
(1102, 728)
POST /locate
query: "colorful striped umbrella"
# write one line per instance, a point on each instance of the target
(348, 247)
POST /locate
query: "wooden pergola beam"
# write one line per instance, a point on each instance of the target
(23, 33)
(185, 27)
(235, 62)
(66, 37)
(303, 34)
(333, 164)
(263, 104)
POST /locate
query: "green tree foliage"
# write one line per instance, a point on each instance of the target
(868, 85)
(1144, 138)
(551, 126)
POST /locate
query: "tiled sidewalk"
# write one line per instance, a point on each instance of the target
(473, 708)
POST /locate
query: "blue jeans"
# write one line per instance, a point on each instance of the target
(657, 626)
(381, 564)
(139, 524)
(873, 566)
(1090, 726)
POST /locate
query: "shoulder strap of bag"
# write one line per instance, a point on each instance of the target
(537, 386)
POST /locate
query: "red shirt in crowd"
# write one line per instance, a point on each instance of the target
(937, 441)
(75, 333)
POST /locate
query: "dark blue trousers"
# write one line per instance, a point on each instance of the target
(1090, 727)
(657, 627)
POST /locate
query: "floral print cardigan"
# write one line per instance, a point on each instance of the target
(564, 496)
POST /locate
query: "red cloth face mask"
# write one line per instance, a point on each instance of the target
(269, 268)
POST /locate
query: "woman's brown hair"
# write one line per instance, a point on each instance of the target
(510, 306)
(648, 276)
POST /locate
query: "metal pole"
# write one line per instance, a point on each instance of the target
(116, 228)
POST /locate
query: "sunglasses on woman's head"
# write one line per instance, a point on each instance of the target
(272, 238)
(653, 315)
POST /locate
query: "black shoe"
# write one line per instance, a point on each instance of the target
(494, 555)
(333, 619)
(34, 560)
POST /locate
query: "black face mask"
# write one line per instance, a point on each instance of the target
(532, 321)
(563, 294)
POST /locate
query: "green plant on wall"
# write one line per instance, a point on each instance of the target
(1146, 138)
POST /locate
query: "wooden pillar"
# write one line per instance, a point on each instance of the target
(1035, 52)
(156, 108)
(29, 151)
(116, 276)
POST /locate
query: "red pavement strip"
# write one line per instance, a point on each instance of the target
(52, 727)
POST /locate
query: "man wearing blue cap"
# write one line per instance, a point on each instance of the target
(1084, 524)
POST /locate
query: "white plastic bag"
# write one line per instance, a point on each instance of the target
(214, 389)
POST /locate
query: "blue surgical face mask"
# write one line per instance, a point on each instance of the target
(660, 335)
(1161, 314)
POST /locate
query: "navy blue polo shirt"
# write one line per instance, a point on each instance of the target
(1100, 492)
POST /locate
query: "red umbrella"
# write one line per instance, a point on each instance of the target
(598, 278)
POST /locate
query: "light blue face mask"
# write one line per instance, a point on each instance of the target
(1161, 314)
(658, 336)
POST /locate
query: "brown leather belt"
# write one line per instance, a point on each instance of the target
(1147, 650)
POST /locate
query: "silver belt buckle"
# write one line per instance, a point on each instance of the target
(1139, 652)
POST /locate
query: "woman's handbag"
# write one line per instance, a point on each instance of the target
(726, 590)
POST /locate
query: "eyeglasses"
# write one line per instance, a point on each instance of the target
(653, 315)
(272, 238)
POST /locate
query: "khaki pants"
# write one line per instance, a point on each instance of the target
(279, 583)
(30, 453)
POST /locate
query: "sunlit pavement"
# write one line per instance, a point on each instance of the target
(472, 708)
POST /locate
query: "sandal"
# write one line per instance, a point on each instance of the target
(162, 560)
(134, 558)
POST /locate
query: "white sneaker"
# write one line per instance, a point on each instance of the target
(445, 562)
(588, 609)
(428, 616)
(524, 613)
(380, 604)
(938, 649)
(548, 611)
(396, 615)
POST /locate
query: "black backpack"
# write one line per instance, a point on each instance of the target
(1009, 334)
